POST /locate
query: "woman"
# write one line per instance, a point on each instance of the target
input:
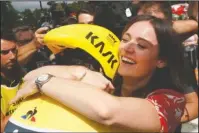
(150, 93)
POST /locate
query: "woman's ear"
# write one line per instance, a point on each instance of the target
(161, 63)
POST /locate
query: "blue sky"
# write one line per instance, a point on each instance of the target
(21, 5)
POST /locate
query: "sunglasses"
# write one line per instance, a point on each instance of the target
(5, 52)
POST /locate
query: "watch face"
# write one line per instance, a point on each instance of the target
(43, 77)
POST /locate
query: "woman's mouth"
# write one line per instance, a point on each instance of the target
(127, 60)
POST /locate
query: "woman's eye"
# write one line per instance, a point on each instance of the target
(124, 40)
(141, 46)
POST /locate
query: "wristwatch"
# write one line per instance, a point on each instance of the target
(42, 79)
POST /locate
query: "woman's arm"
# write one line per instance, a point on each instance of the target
(79, 73)
(185, 28)
(70, 72)
(134, 113)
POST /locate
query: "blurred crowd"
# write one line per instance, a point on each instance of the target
(23, 49)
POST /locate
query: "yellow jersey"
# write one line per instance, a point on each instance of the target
(43, 114)
(7, 94)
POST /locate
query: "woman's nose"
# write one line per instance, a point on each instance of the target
(129, 47)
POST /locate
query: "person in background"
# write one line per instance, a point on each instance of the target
(11, 74)
(185, 28)
(191, 44)
(150, 75)
(23, 35)
(31, 54)
(69, 20)
(86, 15)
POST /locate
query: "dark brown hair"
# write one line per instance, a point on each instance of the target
(7, 34)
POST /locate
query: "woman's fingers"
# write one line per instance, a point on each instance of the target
(110, 85)
(16, 98)
(109, 88)
(29, 88)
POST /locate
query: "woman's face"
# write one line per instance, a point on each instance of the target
(139, 51)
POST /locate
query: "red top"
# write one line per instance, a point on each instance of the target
(170, 107)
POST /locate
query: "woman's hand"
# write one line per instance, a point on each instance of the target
(97, 79)
(79, 73)
(27, 89)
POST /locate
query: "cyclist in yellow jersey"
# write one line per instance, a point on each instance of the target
(40, 113)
